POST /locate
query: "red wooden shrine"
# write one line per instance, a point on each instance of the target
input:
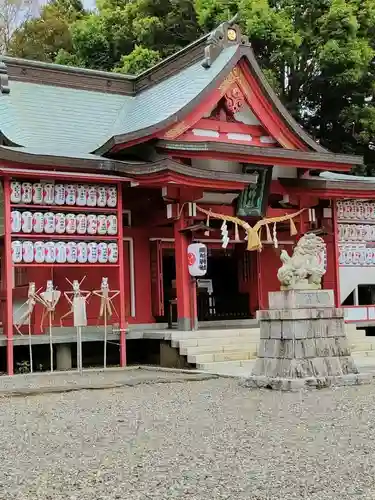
(201, 131)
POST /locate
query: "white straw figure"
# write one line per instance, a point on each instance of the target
(26, 316)
(106, 308)
(77, 299)
(49, 299)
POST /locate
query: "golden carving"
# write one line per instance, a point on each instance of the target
(176, 130)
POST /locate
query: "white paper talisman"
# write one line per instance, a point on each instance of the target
(79, 311)
(102, 252)
(48, 194)
(49, 223)
(112, 196)
(102, 224)
(15, 192)
(60, 223)
(81, 199)
(101, 200)
(92, 252)
(38, 193)
(91, 196)
(27, 192)
(70, 194)
(59, 194)
(38, 222)
(39, 254)
(16, 252)
(15, 221)
(27, 222)
(60, 250)
(92, 224)
(112, 224)
(82, 252)
(81, 224)
(27, 251)
(71, 224)
(71, 252)
(112, 253)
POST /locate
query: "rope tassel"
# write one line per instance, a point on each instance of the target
(275, 242)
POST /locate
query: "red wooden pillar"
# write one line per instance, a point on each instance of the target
(121, 275)
(8, 278)
(336, 254)
(183, 280)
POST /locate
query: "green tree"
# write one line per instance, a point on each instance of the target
(43, 37)
(138, 60)
(319, 56)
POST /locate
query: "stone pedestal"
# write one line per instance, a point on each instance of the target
(303, 343)
(63, 357)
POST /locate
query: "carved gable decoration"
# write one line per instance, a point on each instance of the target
(234, 112)
(226, 34)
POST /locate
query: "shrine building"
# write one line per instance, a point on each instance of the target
(110, 175)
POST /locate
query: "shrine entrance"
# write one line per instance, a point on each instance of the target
(222, 294)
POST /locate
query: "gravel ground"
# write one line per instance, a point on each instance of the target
(206, 440)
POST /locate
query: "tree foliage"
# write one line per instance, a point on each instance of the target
(317, 54)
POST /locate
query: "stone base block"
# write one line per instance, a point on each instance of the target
(296, 384)
(301, 299)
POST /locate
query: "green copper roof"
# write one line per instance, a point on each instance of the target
(75, 122)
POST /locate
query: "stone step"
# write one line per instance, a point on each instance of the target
(202, 334)
(363, 354)
(214, 341)
(361, 346)
(223, 356)
(227, 367)
(210, 349)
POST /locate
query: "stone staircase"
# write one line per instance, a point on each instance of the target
(234, 350)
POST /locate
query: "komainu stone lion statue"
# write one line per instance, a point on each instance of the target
(305, 268)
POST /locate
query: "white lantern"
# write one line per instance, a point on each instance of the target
(60, 249)
(92, 224)
(27, 222)
(81, 224)
(16, 252)
(39, 254)
(15, 192)
(82, 252)
(48, 194)
(102, 253)
(15, 221)
(70, 194)
(38, 222)
(26, 192)
(112, 196)
(59, 194)
(112, 253)
(112, 224)
(49, 252)
(71, 223)
(81, 199)
(92, 249)
(37, 193)
(101, 199)
(71, 252)
(49, 223)
(102, 224)
(60, 223)
(91, 196)
(27, 251)
(197, 259)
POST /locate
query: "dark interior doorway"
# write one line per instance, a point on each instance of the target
(218, 292)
